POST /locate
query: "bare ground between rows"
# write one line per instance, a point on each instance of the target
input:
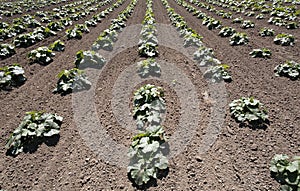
(239, 160)
(21, 53)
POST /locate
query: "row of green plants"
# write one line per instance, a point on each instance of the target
(67, 79)
(11, 8)
(107, 38)
(250, 111)
(38, 126)
(148, 45)
(21, 24)
(39, 34)
(249, 8)
(148, 149)
(148, 41)
(75, 79)
(216, 71)
(236, 38)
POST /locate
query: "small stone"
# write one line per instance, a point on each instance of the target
(199, 159)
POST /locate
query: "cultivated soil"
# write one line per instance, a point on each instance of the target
(237, 159)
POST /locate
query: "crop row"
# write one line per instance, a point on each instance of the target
(9, 9)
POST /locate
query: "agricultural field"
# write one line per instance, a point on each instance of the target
(150, 95)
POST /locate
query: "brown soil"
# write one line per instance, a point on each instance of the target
(238, 160)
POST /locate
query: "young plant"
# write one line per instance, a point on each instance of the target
(290, 69)
(247, 24)
(103, 42)
(148, 67)
(71, 80)
(238, 39)
(42, 55)
(34, 127)
(56, 26)
(57, 46)
(147, 155)
(248, 109)
(26, 40)
(148, 103)
(266, 32)
(284, 39)
(82, 28)
(205, 57)
(218, 73)
(89, 58)
(73, 33)
(277, 21)
(238, 20)
(292, 25)
(191, 38)
(286, 172)
(211, 23)
(227, 31)
(12, 76)
(261, 53)
(6, 50)
(259, 16)
(148, 49)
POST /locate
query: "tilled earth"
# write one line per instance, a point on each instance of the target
(237, 159)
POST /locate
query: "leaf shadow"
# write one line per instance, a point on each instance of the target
(32, 145)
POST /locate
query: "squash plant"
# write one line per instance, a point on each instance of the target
(205, 57)
(192, 39)
(148, 67)
(57, 46)
(6, 50)
(73, 33)
(89, 58)
(292, 25)
(284, 39)
(238, 38)
(286, 172)
(211, 23)
(12, 76)
(35, 126)
(148, 49)
(247, 24)
(261, 53)
(148, 104)
(266, 32)
(218, 73)
(227, 31)
(290, 69)
(42, 55)
(71, 80)
(147, 155)
(248, 109)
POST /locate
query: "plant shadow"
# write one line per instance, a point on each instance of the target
(32, 145)
(254, 125)
(152, 182)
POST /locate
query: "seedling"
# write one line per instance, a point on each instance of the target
(12, 76)
(286, 172)
(290, 69)
(42, 55)
(284, 39)
(71, 80)
(148, 67)
(261, 53)
(89, 58)
(218, 73)
(248, 109)
(35, 126)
